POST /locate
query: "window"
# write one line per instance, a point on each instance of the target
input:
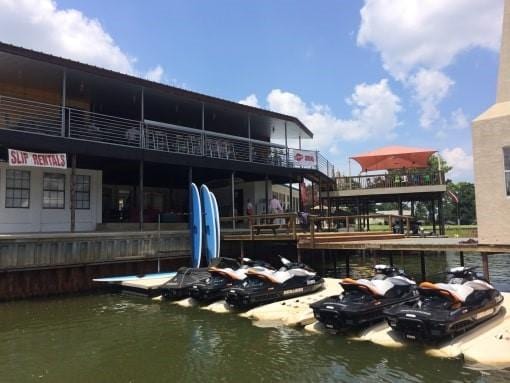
(17, 188)
(506, 154)
(53, 191)
(82, 192)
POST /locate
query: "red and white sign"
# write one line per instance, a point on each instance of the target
(38, 160)
(305, 158)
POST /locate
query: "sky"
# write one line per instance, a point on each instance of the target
(361, 74)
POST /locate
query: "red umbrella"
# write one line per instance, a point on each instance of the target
(394, 157)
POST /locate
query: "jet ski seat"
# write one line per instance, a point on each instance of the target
(237, 275)
(273, 276)
(377, 287)
(301, 273)
(457, 293)
(479, 285)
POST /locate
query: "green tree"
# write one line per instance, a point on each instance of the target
(465, 191)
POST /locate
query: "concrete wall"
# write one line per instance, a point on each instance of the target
(36, 219)
(491, 132)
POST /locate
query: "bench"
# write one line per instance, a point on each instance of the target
(269, 226)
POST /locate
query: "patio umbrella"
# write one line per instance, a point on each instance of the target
(394, 157)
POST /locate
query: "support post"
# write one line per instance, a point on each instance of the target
(400, 213)
(347, 266)
(391, 258)
(290, 197)
(440, 214)
(334, 263)
(461, 255)
(433, 202)
(423, 266)
(485, 264)
(313, 198)
(267, 194)
(140, 197)
(64, 95)
(141, 144)
(323, 260)
(72, 186)
(233, 201)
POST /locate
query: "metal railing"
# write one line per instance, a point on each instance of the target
(40, 118)
(391, 180)
(30, 116)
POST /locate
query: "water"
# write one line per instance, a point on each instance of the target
(114, 338)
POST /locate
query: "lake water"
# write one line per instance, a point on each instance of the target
(118, 338)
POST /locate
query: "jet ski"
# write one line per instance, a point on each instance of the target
(179, 286)
(362, 301)
(263, 285)
(223, 278)
(447, 309)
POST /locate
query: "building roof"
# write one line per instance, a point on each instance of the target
(394, 157)
(187, 94)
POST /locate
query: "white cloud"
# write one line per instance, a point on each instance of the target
(374, 115)
(155, 74)
(40, 25)
(428, 33)
(416, 39)
(430, 88)
(251, 100)
(461, 161)
(458, 120)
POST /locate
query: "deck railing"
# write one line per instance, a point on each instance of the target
(40, 118)
(391, 180)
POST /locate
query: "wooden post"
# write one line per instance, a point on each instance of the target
(311, 221)
(408, 227)
(72, 186)
(391, 258)
(461, 254)
(334, 263)
(299, 255)
(347, 222)
(485, 264)
(323, 260)
(390, 226)
(242, 251)
(347, 266)
(423, 268)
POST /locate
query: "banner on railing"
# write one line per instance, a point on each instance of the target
(306, 158)
(38, 160)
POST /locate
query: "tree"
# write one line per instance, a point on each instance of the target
(465, 191)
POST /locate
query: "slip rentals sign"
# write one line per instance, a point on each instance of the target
(38, 160)
(305, 158)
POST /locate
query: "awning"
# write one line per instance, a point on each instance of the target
(394, 157)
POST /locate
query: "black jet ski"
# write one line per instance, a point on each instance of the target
(362, 301)
(179, 286)
(447, 309)
(222, 278)
(263, 285)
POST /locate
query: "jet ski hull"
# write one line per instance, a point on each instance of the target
(432, 325)
(339, 316)
(267, 293)
(179, 286)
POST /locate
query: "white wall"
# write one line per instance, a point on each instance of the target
(36, 219)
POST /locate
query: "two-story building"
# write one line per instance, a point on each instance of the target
(130, 148)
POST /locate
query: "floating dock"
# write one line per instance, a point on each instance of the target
(485, 346)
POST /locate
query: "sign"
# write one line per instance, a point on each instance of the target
(38, 160)
(305, 158)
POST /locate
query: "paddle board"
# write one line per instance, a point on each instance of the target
(196, 226)
(210, 236)
(125, 278)
(217, 222)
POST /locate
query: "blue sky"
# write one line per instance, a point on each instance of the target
(415, 73)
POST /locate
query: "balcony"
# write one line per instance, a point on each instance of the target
(51, 120)
(402, 182)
